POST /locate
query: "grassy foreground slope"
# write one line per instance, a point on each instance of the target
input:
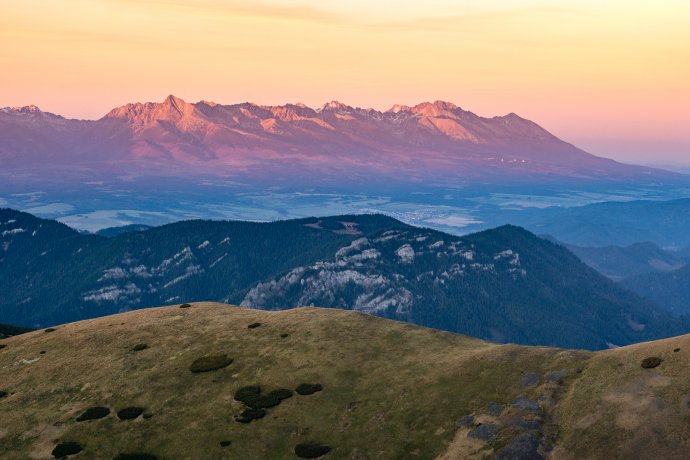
(390, 390)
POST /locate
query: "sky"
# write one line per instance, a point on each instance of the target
(612, 77)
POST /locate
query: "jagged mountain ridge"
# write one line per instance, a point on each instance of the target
(504, 284)
(435, 139)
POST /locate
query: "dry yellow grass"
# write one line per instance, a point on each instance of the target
(390, 389)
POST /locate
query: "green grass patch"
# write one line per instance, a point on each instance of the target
(210, 363)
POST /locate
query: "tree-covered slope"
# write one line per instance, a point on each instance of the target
(617, 262)
(504, 284)
(671, 290)
(8, 330)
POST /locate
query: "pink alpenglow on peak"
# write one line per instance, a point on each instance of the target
(429, 141)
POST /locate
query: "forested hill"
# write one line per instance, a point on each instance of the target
(504, 284)
(7, 330)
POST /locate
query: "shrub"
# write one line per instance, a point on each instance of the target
(254, 325)
(225, 443)
(252, 398)
(308, 388)
(284, 335)
(251, 414)
(210, 363)
(147, 416)
(136, 456)
(282, 393)
(66, 448)
(2, 394)
(93, 413)
(185, 305)
(130, 413)
(311, 450)
(2, 345)
(675, 350)
(139, 347)
(651, 362)
(248, 395)
(50, 329)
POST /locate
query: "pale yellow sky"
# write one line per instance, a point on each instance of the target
(611, 76)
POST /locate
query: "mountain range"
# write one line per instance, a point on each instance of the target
(504, 284)
(436, 142)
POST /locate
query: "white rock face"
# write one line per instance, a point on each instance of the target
(405, 253)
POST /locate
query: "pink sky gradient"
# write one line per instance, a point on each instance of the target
(612, 77)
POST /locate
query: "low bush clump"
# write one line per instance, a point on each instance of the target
(130, 413)
(66, 448)
(50, 329)
(308, 388)
(2, 345)
(251, 414)
(282, 393)
(284, 335)
(147, 416)
(248, 395)
(225, 443)
(254, 325)
(675, 350)
(185, 305)
(93, 413)
(136, 456)
(210, 363)
(2, 394)
(139, 347)
(311, 450)
(651, 362)
(251, 397)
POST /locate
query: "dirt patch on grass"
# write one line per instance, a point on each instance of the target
(464, 447)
